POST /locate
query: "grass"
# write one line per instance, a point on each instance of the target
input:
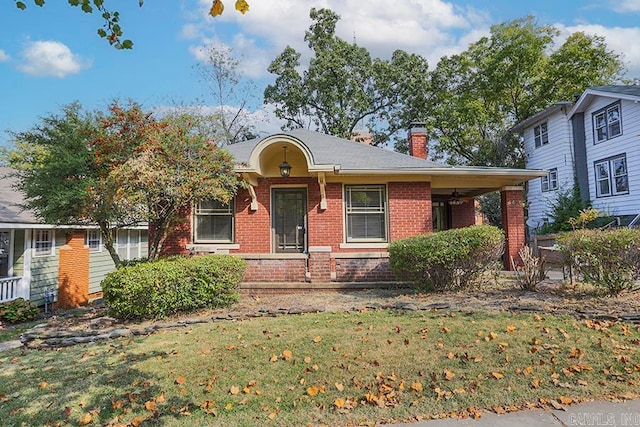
(324, 369)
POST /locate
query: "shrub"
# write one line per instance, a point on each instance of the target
(531, 272)
(164, 287)
(567, 205)
(447, 260)
(18, 310)
(607, 259)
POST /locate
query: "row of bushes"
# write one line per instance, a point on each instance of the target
(18, 310)
(447, 260)
(171, 285)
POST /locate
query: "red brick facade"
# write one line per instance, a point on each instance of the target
(73, 272)
(513, 224)
(463, 215)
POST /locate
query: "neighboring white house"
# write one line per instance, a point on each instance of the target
(594, 143)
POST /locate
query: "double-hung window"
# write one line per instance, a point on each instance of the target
(213, 222)
(611, 176)
(43, 242)
(550, 182)
(94, 240)
(541, 134)
(366, 213)
(606, 123)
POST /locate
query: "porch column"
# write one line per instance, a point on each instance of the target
(513, 223)
(320, 264)
(73, 277)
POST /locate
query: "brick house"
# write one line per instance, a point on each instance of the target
(330, 215)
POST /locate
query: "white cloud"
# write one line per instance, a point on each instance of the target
(623, 6)
(617, 39)
(50, 58)
(432, 28)
(4, 57)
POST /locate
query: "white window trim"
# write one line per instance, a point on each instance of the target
(542, 137)
(607, 124)
(611, 176)
(51, 241)
(88, 240)
(228, 213)
(551, 181)
(127, 245)
(384, 208)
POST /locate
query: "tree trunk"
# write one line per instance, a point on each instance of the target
(107, 240)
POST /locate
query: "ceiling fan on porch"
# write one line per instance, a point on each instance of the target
(456, 198)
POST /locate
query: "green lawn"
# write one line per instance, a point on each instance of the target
(333, 369)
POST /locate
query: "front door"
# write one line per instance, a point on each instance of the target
(289, 215)
(5, 248)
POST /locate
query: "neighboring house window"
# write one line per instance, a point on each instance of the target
(43, 242)
(366, 213)
(541, 135)
(606, 123)
(94, 240)
(129, 243)
(611, 176)
(550, 182)
(213, 222)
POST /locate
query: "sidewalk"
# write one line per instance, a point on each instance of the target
(584, 414)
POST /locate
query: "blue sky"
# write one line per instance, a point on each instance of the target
(51, 56)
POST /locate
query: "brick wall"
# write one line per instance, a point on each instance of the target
(409, 209)
(463, 215)
(363, 270)
(275, 270)
(179, 236)
(513, 224)
(73, 272)
(326, 227)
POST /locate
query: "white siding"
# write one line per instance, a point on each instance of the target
(628, 143)
(558, 153)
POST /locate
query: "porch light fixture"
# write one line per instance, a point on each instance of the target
(285, 168)
(455, 199)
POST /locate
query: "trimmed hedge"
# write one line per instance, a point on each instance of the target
(447, 260)
(607, 259)
(158, 289)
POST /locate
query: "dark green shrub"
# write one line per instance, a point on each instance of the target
(18, 310)
(567, 205)
(164, 287)
(447, 260)
(608, 259)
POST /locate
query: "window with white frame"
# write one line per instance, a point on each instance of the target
(606, 123)
(43, 242)
(541, 134)
(128, 243)
(366, 213)
(611, 176)
(550, 182)
(213, 222)
(93, 240)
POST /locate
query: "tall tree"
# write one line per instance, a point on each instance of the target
(230, 123)
(118, 169)
(478, 95)
(343, 86)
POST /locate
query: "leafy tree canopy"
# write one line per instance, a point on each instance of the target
(519, 69)
(111, 30)
(343, 87)
(119, 168)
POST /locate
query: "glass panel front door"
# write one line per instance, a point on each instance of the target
(5, 247)
(289, 215)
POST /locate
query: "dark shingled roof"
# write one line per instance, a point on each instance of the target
(331, 150)
(633, 90)
(10, 201)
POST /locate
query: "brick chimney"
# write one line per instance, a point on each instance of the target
(417, 140)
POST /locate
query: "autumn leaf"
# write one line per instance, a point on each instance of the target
(234, 390)
(497, 375)
(228, 406)
(273, 358)
(317, 339)
(510, 328)
(151, 406)
(565, 400)
(307, 359)
(180, 380)
(86, 419)
(535, 383)
(137, 421)
(449, 375)
(242, 6)
(339, 386)
(217, 8)
(272, 415)
(338, 403)
(161, 399)
(313, 390)
(416, 386)
(287, 355)
(43, 385)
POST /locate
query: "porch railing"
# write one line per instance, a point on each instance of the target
(12, 288)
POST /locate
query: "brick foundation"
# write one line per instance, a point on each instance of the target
(274, 270)
(363, 270)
